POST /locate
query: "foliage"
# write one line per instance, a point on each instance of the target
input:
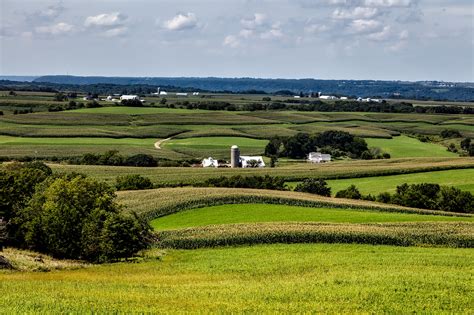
(78, 218)
(133, 182)
(465, 143)
(132, 103)
(314, 186)
(350, 193)
(300, 145)
(450, 133)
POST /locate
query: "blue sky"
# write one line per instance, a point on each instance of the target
(327, 39)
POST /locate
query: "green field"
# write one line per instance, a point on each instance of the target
(271, 278)
(217, 147)
(462, 179)
(252, 213)
(403, 146)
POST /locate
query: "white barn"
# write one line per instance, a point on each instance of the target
(129, 97)
(210, 162)
(318, 157)
(245, 161)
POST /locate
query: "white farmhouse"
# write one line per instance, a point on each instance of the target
(129, 97)
(210, 162)
(328, 97)
(163, 93)
(318, 157)
(182, 94)
(246, 161)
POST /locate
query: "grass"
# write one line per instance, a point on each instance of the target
(217, 147)
(462, 179)
(403, 146)
(252, 213)
(303, 278)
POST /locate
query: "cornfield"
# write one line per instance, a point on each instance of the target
(452, 234)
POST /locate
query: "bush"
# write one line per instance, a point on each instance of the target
(384, 197)
(450, 133)
(314, 186)
(78, 218)
(350, 193)
(133, 182)
(141, 160)
(465, 144)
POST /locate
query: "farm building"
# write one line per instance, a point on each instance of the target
(163, 93)
(328, 97)
(210, 162)
(251, 161)
(318, 157)
(182, 94)
(129, 97)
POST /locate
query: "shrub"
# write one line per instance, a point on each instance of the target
(450, 133)
(314, 186)
(238, 181)
(350, 192)
(133, 182)
(465, 143)
(366, 155)
(142, 160)
(384, 197)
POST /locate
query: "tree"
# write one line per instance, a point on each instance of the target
(59, 97)
(465, 143)
(71, 218)
(253, 163)
(314, 186)
(142, 160)
(453, 199)
(470, 151)
(350, 192)
(423, 195)
(133, 182)
(450, 133)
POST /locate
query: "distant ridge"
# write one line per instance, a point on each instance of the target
(19, 78)
(430, 90)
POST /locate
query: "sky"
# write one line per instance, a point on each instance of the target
(323, 39)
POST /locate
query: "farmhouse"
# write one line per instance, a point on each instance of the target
(210, 162)
(251, 161)
(318, 157)
(129, 97)
(328, 97)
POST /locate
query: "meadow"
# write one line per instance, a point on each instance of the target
(326, 278)
(254, 213)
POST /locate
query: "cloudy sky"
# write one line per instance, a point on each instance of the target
(327, 39)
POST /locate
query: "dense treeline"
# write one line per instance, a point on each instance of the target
(67, 216)
(238, 181)
(363, 88)
(337, 143)
(308, 105)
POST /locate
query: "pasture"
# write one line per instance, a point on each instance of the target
(253, 213)
(403, 146)
(326, 278)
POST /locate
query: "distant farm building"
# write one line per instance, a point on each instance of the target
(195, 93)
(237, 160)
(163, 93)
(210, 162)
(318, 157)
(182, 94)
(328, 97)
(129, 97)
(251, 161)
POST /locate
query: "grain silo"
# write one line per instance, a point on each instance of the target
(234, 156)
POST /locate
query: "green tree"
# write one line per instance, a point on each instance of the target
(465, 143)
(350, 192)
(133, 182)
(314, 186)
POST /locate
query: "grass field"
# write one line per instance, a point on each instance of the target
(462, 179)
(403, 146)
(252, 213)
(217, 147)
(326, 278)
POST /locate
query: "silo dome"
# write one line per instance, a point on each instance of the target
(234, 147)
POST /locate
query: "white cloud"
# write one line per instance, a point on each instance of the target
(258, 20)
(181, 22)
(356, 13)
(364, 26)
(387, 3)
(105, 20)
(114, 32)
(231, 41)
(274, 33)
(55, 29)
(316, 28)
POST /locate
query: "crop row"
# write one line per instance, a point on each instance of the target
(446, 234)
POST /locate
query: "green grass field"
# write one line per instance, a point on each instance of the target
(403, 146)
(217, 147)
(462, 179)
(252, 213)
(270, 278)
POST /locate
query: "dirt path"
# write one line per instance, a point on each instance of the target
(160, 142)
